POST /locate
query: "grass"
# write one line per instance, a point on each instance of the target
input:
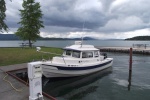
(9, 56)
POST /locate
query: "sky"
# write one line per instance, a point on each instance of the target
(103, 19)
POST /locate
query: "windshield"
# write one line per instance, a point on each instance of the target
(76, 54)
(68, 52)
(72, 53)
(88, 54)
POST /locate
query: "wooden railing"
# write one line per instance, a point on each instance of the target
(140, 45)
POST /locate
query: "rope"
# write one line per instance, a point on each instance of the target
(4, 78)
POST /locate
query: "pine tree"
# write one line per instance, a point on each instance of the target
(30, 21)
(3, 25)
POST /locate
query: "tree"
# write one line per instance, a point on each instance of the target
(31, 23)
(3, 26)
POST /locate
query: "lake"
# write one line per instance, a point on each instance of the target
(63, 43)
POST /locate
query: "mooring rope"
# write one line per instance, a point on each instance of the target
(4, 78)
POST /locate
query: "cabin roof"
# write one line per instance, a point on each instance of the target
(81, 47)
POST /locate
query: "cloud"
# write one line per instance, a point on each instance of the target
(12, 13)
(101, 18)
(123, 24)
(127, 8)
(74, 13)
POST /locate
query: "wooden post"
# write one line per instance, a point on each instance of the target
(129, 80)
(130, 62)
(130, 70)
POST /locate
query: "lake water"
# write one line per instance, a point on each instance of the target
(109, 84)
(63, 43)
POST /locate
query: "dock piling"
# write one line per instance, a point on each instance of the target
(130, 61)
(130, 69)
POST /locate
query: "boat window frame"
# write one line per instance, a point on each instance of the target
(65, 52)
(76, 51)
(87, 56)
(96, 55)
(71, 51)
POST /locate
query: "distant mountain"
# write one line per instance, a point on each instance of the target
(8, 37)
(114, 39)
(89, 38)
(140, 38)
(14, 37)
(85, 38)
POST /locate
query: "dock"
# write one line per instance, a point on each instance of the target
(7, 92)
(136, 50)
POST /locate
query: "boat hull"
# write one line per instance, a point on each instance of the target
(65, 71)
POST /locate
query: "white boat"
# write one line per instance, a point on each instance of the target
(76, 60)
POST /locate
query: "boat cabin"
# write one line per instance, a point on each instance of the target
(81, 51)
(79, 54)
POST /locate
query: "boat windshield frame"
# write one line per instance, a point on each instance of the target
(72, 53)
(79, 54)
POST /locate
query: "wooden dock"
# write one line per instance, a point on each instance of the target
(125, 50)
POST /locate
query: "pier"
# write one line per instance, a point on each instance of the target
(136, 50)
(12, 88)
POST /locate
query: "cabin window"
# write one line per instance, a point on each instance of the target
(68, 52)
(87, 54)
(76, 54)
(96, 54)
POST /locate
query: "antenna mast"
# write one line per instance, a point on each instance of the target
(82, 34)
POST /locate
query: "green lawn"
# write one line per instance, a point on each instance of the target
(9, 56)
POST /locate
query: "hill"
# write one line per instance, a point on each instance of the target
(140, 38)
(14, 37)
(8, 37)
(85, 38)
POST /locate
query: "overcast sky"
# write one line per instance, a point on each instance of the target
(104, 19)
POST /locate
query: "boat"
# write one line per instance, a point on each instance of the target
(77, 60)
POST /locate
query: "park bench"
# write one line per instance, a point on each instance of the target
(25, 45)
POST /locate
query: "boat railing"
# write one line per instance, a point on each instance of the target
(38, 49)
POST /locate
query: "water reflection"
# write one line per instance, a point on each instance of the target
(129, 79)
(60, 86)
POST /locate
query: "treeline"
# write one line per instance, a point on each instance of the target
(140, 38)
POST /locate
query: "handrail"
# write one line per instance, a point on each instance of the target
(52, 53)
(49, 53)
(64, 60)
